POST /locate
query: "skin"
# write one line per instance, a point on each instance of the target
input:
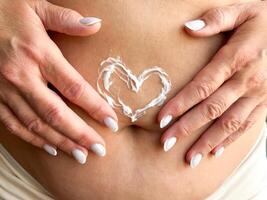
(238, 69)
(29, 60)
(45, 117)
(136, 166)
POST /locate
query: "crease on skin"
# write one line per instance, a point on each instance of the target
(115, 65)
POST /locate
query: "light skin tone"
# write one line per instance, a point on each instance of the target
(231, 89)
(29, 61)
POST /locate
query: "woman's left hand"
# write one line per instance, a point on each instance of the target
(232, 88)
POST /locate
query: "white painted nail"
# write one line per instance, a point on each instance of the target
(219, 152)
(111, 124)
(89, 21)
(165, 121)
(49, 149)
(195, 160)
(79, 156)
(98, 149)
(169, 143)
(195, 25)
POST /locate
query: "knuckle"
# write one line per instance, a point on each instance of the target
(33, 125)
(9, 73)
(243, 57)
(258, 75)
(227, 68)
(237, 58)
(173, 106)
(83, 140)
(75, 90)
(32, 50)
(32, 140)
(217, 16)
(63, 143)
(10, 125)
(246, 126)
(214, 109)
(39, 5)
(256, 81)
(53, 116)
(65, 14)
(231, 139)
(223, 52)
(204, 90)
(98, 109)
(30, 47)
(230, 124)
(184, 131)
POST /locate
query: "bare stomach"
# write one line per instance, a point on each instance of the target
(142, 34)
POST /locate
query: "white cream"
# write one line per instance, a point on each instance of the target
(115, 65)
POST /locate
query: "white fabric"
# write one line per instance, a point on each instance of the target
(247, 182)
(249, 179)
(16, 183)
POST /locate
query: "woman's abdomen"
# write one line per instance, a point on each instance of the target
(143, 34)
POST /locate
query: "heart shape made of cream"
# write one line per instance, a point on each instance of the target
(115, 65)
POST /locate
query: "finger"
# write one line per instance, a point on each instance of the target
(33, 123)
(210, 109)
(230, 122)
(65, 20)
(52, 110)
(251, 120)
(73, 86)
(224, 65)
(222, 19)
(11, 123)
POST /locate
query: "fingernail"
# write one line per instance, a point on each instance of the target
(195, 160)
(89, 21)
(165, 121)
(79, 156)
(111, 124)
(49, 149)
(219, 152)
(195, 25)
(98, 149)
(169, 143)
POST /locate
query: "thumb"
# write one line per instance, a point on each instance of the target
(221, 19)
(65, 20)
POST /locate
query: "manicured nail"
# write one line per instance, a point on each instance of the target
(195, 160)
(49, 149)
(89, 21)
(79, 156)
(169, 143)
(165, 121)
(111, 124)
(195, 25)
(98, 149)
(219, 152)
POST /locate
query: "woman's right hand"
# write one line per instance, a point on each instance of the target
(29, 60)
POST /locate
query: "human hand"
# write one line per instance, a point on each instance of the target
(232, 88)
(29, 60)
